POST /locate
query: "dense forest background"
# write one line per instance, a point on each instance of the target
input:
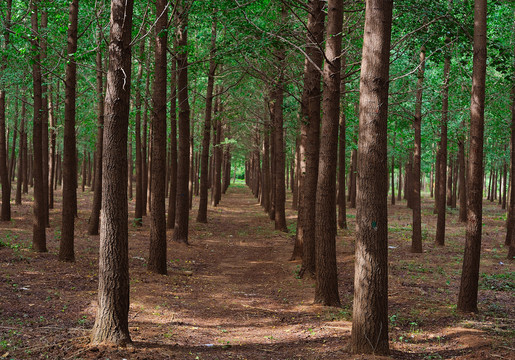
(117, 117)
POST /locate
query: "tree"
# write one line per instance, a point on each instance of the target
(204, 158)
(111, 323)
(467, 298)
(326, 290)
(342, 211)
(5, 214)
(39, 233)
(157, 257)
(309, 136)
(416, 240)
(370, 309)
(180, 233)
(97, 197)
(66, 246)
(442, 163)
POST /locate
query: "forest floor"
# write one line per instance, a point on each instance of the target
(233, 293)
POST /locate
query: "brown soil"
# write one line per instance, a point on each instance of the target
(233, 294)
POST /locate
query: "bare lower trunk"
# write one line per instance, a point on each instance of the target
(467, 298)
(370, 309)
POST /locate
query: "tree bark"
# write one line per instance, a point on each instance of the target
(467, 298)
(66, 245)
(157, 251)
(111, 324)
(353, 178)
(416, 238)
(342, 210)
(94, 218)
(181, 226)
(5, 180)
(22, 150)
(172, 193)
(326, 288)
(39, 224)
(370, 311)
(442, 171)
(204, 159)
(310, 133)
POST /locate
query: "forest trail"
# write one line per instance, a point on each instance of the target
(233, 293)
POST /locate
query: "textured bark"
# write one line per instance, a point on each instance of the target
(510, 239)
(144, 142)
(172, 193)
(310, 133)
(39, 233)
(21, 153)
(94, 218)
(66, 245)
(442, 170)
(180, 233)
(111, 324)
(5, 214)
(279, 173)
(44, 129)
(138, 210)
(266, 161)
(326, 288)
(370, 310)
(53, 144)
(342, 210)
(353, 178)
(462, 182)
(157, 250)
(467, 298)
(204, 158)
(416, 238)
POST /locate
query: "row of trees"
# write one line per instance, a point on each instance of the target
(229, 72)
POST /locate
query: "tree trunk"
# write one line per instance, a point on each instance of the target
(23, 139)
(296, 176)
(172, 193)
(204, 159)
(181, 226)
(504, 185)
(342, 210)
(111, 324)
(353, 178)
(416, 238)
(144, 153)
(39, 232)
(266, 161)
(393, 180)
(455, 177)
(66, 246)
(399, 184)
(157, 252)
(310, 133)
(138, 210)
(462, 182)
(4, 174)
(326, 288)
(53, 143)
(44, 134)
(370, 310)
(94, 218)
(467, 298)
(442, 181)
(280, 191)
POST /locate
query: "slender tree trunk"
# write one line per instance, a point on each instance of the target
(111, 324)
(450, 177)
(172, 193)
(399, 184)
(266, 161)
(342, 210)
(370, 310)
(310, 133)
(39, 233)
(467, 298)
(144, 159)
(53, 144)
(44, 134)
(504, 185)
(296, 176)
(94, 218)
(454, 183)
(442, 181)
(4, 175)
(510, 239)
(138, 210)
(280, 191)
(416, 238)
(23, 136)
(66, 246)
(204, 159)
(181, 226)
(393, 178)
(84, 171)
(157, 252)
(353, 178)
(326, 289)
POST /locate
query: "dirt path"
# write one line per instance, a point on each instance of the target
(233, 294)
